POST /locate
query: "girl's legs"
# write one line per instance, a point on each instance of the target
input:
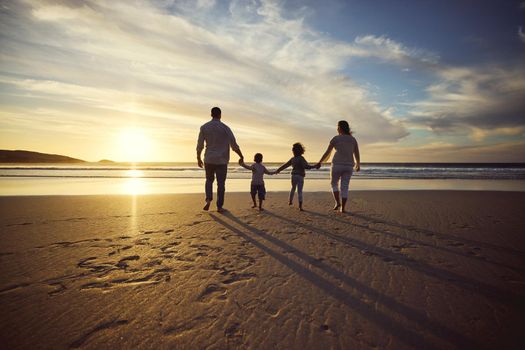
(300, 184)
(292, 191)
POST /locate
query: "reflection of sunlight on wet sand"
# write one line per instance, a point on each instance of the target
(134, 185)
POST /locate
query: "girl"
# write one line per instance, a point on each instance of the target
(299, 165)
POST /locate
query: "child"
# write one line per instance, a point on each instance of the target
(299, 165)
(257, 185)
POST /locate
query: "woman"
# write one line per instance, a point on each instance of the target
(343, 164)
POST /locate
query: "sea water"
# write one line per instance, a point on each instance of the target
(154, 178)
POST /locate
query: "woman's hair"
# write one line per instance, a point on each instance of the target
(297, 149)
(257, 158)
(343, 125)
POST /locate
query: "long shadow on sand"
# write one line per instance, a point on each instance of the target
(439, 235)
(491, 292)
(413, 229)
(390, 325)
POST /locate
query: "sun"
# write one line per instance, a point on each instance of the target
(134, 145)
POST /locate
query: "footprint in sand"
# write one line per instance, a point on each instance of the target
(212, 291)
(106, 325)
(241, 277)
(59, 289)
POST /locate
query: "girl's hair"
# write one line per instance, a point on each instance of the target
(343, 125)
(258, 158)
(297, 149)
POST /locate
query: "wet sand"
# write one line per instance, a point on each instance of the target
(406, 269)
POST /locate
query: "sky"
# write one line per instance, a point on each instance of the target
(418, 80)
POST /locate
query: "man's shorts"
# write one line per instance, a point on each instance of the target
(258, 189)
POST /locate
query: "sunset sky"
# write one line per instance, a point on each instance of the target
(422, 81)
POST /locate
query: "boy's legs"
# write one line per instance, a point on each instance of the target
(253, 191)
(262, 196)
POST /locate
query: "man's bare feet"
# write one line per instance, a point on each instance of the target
(207, 206)
(337, 206)
(261, 209)
(254, 206)
(221, 210)
(290, 203)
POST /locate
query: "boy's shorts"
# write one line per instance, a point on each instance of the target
(258, 189)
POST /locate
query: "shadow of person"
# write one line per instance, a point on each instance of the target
(405, 228)
(491, 292)
(407, 336)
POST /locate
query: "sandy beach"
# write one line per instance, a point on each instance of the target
(404, 270)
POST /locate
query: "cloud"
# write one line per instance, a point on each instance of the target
(521, 34)
(512, 151)
(166, 63)
(464, 100)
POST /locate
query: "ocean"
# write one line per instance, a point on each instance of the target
(150, 178)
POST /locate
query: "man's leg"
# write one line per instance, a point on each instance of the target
(210, 177)
(221, 172)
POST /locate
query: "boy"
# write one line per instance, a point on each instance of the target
(257, 184)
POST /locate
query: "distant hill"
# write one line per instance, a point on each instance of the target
(34, 157)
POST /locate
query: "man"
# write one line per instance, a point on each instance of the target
(219, 138)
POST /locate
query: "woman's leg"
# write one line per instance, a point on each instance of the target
(345, 183)
(334, 181)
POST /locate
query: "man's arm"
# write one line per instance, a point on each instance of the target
(200, 147)
(357, 157)
(241, 163)
(233, 144)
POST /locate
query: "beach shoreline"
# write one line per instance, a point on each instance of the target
(405, 269)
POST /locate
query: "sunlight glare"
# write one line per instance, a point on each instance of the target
(134, 145)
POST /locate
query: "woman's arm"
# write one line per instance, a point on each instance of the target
(284, 166)
(357, 157)
(326, 154)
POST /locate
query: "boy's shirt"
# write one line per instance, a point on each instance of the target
(258, 171)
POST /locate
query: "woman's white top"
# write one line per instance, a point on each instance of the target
(344, 149)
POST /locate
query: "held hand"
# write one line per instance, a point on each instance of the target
(199, 163)
(357, 167)
(318, 166)
(241, 161)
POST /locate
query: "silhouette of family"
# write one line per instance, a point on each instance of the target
(218, 138)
